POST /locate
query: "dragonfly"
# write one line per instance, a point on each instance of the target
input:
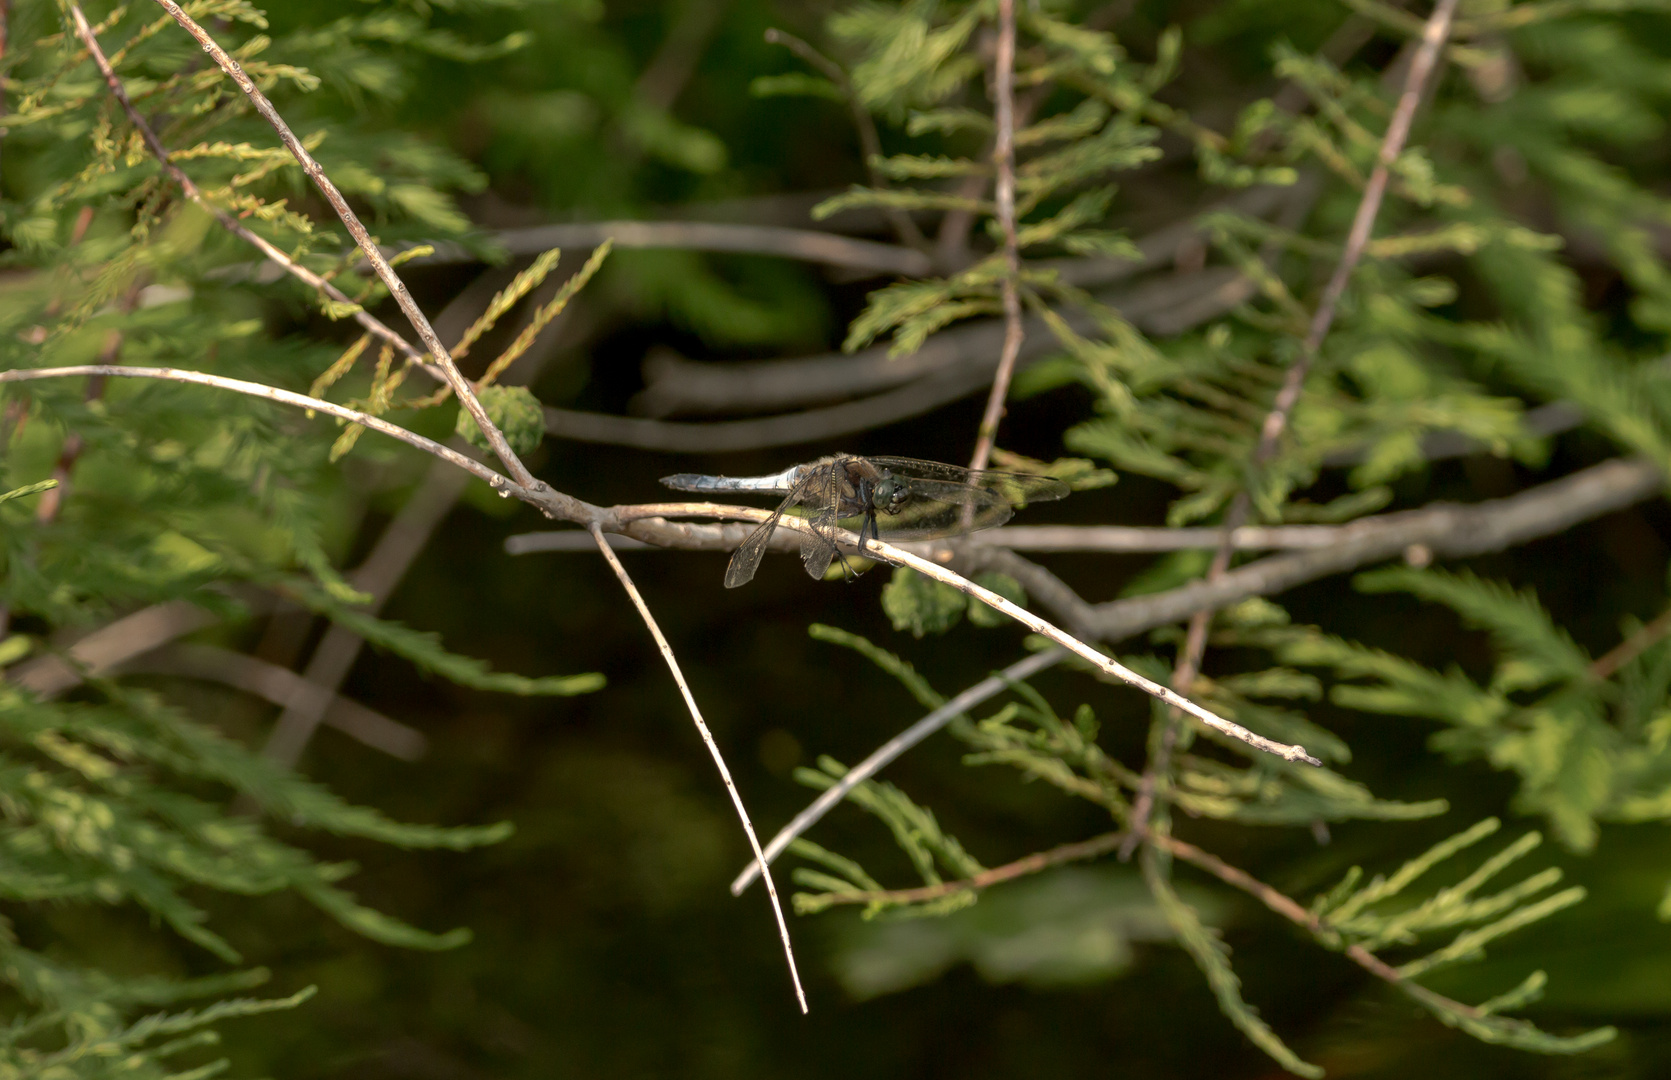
(893, 497)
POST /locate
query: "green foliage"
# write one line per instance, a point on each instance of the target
(925, 606)
(121, 797)
(514, 411)
(1460, 315)
(1377, 914)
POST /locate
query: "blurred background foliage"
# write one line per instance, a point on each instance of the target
(604, 941)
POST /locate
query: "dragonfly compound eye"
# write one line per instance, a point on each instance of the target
(892, 494)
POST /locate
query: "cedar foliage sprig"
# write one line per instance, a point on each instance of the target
(1460, 315)
(116, 795)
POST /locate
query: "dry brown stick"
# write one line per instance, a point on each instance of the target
(1274, 899)
(708, 740)
(1629, 649)
(807, 245)
(664, 78)
(1003, 159)
(1031, 864)
(397, 288)
(1446, 530)
(1422, 65)
(1289, 909)
(280, 686)
(226, 220)
(334, 656)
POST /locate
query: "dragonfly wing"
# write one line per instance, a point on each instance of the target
(746, 560)
(1015, 488)
(929, 518)
(823, 505)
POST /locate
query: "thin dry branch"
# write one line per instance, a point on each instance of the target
(380, 265)
(1003, 159)
(1030, 864)
(226, 220)
(708, 741)
(281, 686)
(1274, 899)
(272, 393)
(1170, 304)
(805, 245)
(886, 552)
(388, 561)
(1445, 530)
(880, 758)
(1190, 656)
(1107, 539)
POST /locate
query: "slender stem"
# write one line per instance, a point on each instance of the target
(397, 288)
(227, 221)
(271, 393)
(1031, 864)
(1274, 899)
(1632, 647)
(1003, 157)
(1434, 34)
(708, 741)
(880, 757)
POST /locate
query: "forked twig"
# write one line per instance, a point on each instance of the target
(708, 741)
(380, 265)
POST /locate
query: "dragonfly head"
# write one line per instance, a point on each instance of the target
(891, 493)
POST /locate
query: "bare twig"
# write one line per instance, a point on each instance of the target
(893, 748)
(787, 429)
(397, 288)
(1165, 305)
(1447, 530)
(382, 569)
(1289, 909)
(1106, 539)
(806, 245)
(877, 549)
(1031, 864)
(1188, 666)
(1274, 899)
(272, 393)
(1630, 648)
(226, 220)
(281, 686)
(708, 741)
(1003, 159)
